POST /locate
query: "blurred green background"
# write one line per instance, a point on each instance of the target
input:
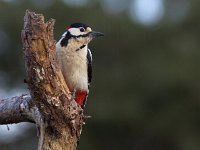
(145, 90)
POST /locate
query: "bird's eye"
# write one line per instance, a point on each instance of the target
(82, 29)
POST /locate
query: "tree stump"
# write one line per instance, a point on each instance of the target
(50, 105)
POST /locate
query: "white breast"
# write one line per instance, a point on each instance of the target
(74, 66)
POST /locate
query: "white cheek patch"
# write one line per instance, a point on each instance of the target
(75, 31)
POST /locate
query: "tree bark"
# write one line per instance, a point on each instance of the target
(17, 109)
(50, 106)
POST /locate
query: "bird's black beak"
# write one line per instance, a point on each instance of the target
(94, 34)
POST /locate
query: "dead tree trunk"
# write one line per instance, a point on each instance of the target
(50, 106)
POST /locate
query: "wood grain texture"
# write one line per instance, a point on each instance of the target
(17, 109)
(50, 105)
(61, 118)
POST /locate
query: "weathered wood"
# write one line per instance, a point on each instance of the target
(50, 105)
(61, 118)
(17, 109)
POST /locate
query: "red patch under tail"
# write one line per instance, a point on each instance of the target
(81, 97)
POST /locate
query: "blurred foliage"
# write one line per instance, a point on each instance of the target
(145, 91)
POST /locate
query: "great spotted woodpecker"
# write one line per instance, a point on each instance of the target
(75, 59)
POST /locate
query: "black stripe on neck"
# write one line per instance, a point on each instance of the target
(64, 41)
(81, 47)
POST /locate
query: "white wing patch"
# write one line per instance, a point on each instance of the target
(89, 51)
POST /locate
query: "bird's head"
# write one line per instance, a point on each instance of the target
(79, 34)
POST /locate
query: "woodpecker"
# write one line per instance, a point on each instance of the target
(75, 59)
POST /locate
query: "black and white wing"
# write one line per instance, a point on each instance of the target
(89, 63)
